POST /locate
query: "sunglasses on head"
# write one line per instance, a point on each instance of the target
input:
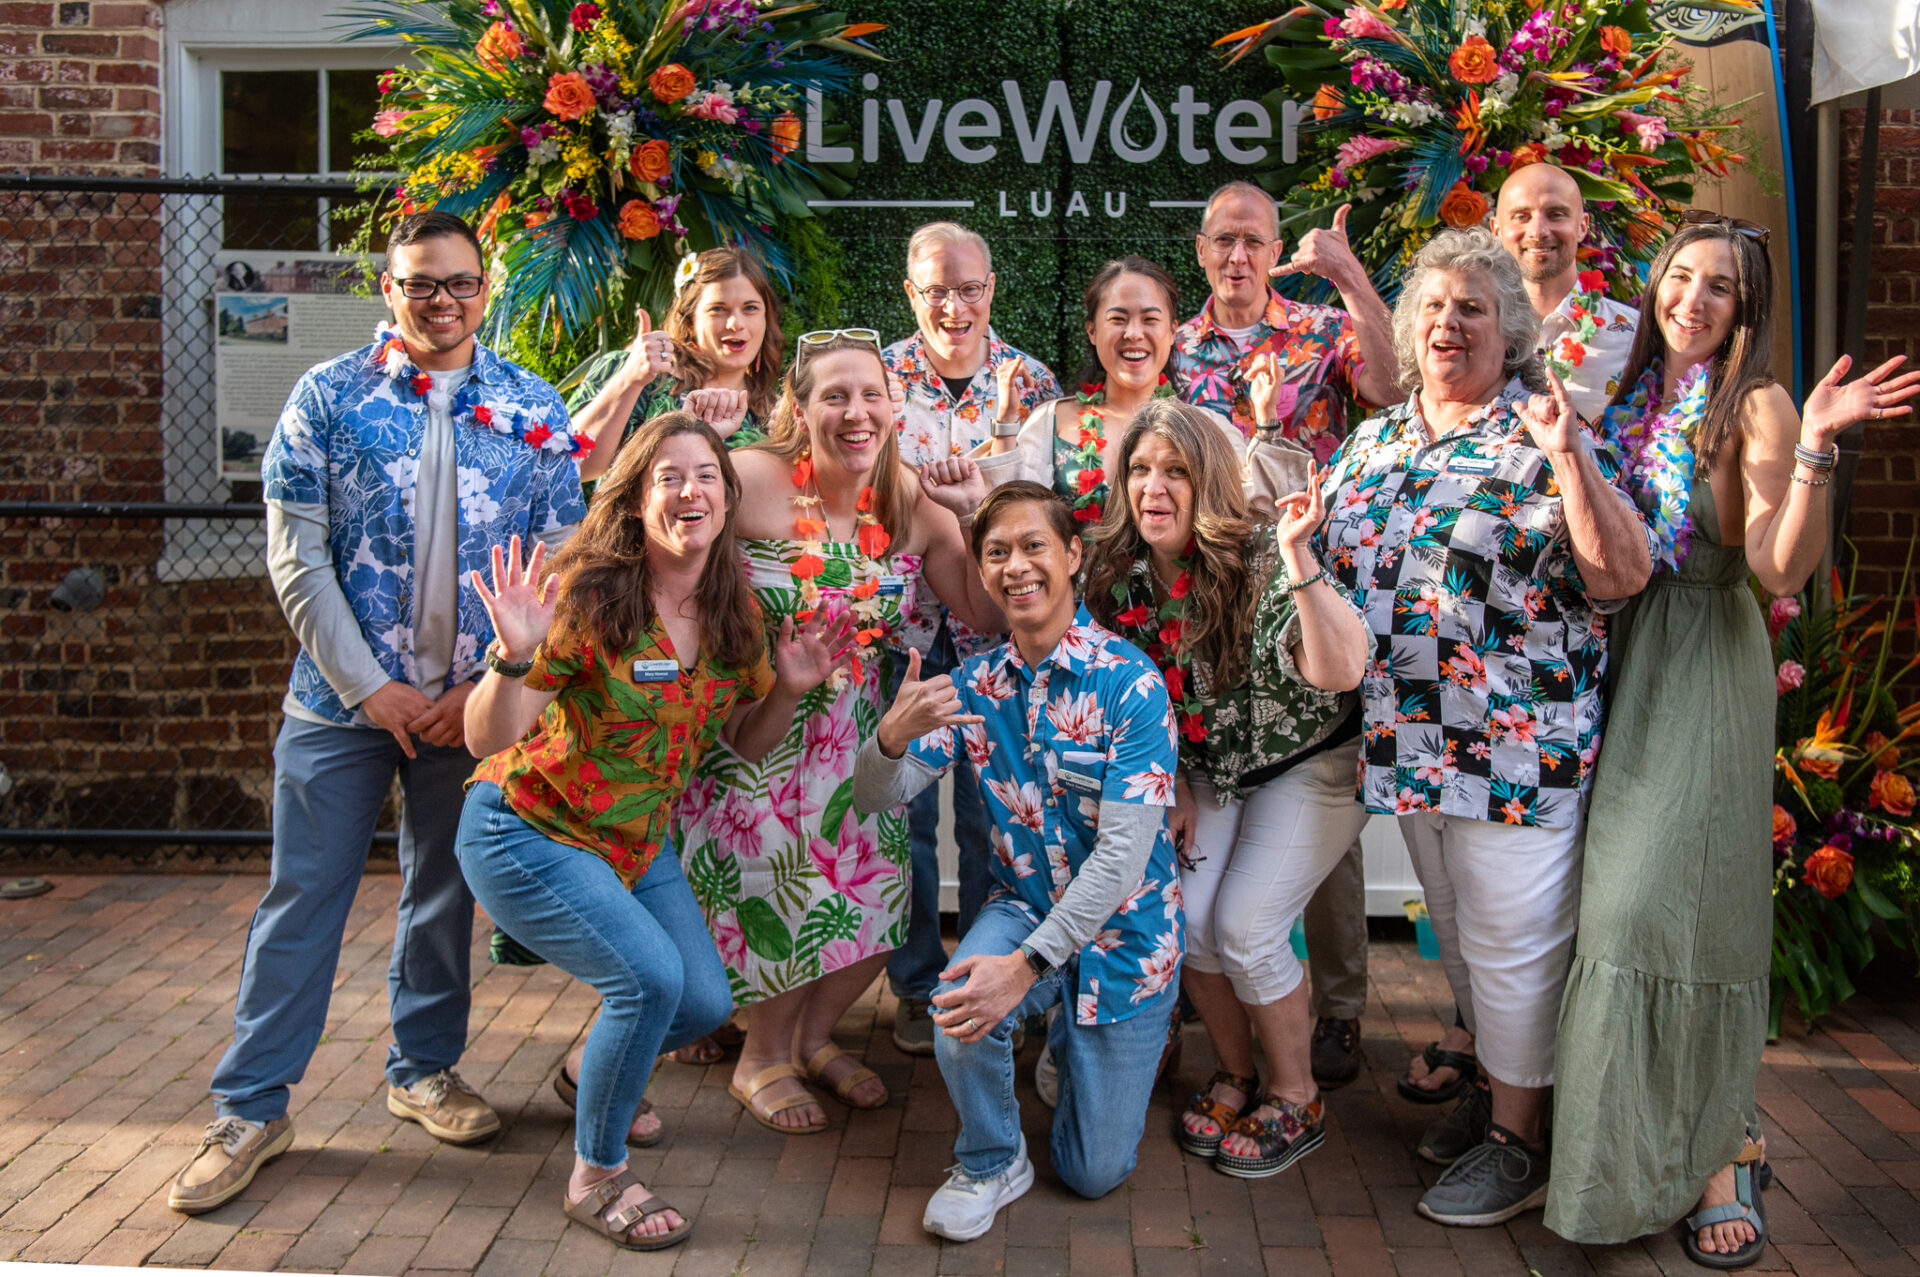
(1738, 225)
(822, 336)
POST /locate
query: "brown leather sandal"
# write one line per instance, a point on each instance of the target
(814, 1070)
(594, 1211)
(763, 1113)
(1221, 1114)
(569, 1092)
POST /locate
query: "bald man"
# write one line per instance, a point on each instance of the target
(1584, 334)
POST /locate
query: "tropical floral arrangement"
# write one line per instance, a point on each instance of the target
(1846, 849)
(597, 146)
(1421, 108)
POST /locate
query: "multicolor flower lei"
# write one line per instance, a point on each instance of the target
(1090, 480)
(809, 526)
(392, 359)
(1158, 631)
(1571, 350)
(1659, 454)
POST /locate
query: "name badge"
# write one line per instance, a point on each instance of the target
(892, 584)
(1075, 780)
(655, 671)
(1473, 465)
(1071, 774)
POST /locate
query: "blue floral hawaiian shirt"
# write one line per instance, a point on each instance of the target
(1090, 725)
(936, 425)
(1483, 697)
(350, 438)
(1319, 368)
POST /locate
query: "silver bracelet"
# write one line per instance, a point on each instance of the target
(1816, 460)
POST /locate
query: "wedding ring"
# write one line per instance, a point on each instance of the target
(969, 1022)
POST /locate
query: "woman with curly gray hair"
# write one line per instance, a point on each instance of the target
(1479, 528)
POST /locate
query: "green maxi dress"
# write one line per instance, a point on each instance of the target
(1665, 1012)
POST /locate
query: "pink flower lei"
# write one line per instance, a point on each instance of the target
(391, 358)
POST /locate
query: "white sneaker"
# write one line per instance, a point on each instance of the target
(963, 1208)
(1046, 1078)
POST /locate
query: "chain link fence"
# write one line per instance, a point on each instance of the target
(142, 653)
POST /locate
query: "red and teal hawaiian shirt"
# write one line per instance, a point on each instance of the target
(1090, 725)
(1319, 360)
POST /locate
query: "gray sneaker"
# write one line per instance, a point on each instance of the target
(1490, 1184)
(913, 1027)
(1461, 1128)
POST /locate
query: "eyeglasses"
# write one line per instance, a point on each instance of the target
(1222, 245)
(1738, 225)
(422, 288)
(936, 294)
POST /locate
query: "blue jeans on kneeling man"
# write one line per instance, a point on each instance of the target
(1106, 1072)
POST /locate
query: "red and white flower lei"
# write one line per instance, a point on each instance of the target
(809, 526)
(393, 360)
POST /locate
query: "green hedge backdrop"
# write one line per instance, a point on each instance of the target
(853, 260)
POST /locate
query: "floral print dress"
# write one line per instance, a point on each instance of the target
(794, 881)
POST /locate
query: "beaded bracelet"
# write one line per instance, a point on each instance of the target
(1816, 460)
(1812, 483)
(1321, 575)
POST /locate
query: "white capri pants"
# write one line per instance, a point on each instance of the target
(1503, 900)
(1260, 861)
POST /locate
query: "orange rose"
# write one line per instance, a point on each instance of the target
(1892, 792)
(671, 82)
(649, 160)
(1463, 206)
(1880, 751)
(1617, 41)
(499, 46)
(1823, 763)
(568, 96)
(1327, 102)
(1784, 828)
(1531, 153)
(785, 132)
(638, 220)
(1829, 871)
(536, 216)
(1475, 62)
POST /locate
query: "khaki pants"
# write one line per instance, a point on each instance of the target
(1336, 926)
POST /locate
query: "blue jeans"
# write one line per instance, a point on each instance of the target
(916, 965)
(1106, 1072)
(647, 952)
(329, 783)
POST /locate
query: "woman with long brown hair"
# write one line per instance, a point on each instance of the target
(607, 682)
(806, 896)
(1665, 1011)
(717, 353)
(1261, 654)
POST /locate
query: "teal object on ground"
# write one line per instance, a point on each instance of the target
(1299, 938)
(1424, 937)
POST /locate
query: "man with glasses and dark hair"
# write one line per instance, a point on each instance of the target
(393, 473)
(1584, 334)
(954, 371)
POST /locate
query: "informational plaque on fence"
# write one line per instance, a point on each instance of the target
(273, 320)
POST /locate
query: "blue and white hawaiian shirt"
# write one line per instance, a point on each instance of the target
(350, 438)
(936, 425)
(1091, 724)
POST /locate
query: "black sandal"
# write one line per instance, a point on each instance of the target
(1751, 1176)
(1220, 1114)
(1462, 1061)
(569, 1092)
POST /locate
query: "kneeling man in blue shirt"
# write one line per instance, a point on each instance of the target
(1069, 730)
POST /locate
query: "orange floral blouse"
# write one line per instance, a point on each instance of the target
(603, 767)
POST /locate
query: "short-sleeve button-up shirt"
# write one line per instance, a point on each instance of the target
(1319, 367)
(350, 437)
(1586, 341)
(1090, 724)
(1483, 696)
(936, 425)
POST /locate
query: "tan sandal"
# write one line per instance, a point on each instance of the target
(814, 1070)
(618, 1226)
(764, 1113)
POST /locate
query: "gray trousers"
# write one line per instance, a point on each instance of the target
(1336, 926)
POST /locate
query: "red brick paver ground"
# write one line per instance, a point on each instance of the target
(116, 997)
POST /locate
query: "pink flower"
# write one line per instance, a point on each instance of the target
(695, 799)
(1359, 24)
(1790, 675)
(827, 743)
(730, 940)
(1649, 130)
(1078, 718)
(792, 804)
(388, 123)
(1154, 784)
(835, 954)
(1158, 968)
(1022, 801)
(1360, 148)
(1515, 722)
(715, 106)
(1779, 612)
(979, 748)
(852, 864)
(736, 824)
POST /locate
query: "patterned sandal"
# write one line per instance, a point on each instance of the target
(1220, 1114)
(595, 1211)
(1294, 1131)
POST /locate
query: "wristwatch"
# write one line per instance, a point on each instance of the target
(1007, 429)
(1036, 961)
(505, 668)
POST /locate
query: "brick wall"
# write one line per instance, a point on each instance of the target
(1885, 515)
(80, 86)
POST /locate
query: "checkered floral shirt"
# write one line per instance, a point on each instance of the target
(1483, 696)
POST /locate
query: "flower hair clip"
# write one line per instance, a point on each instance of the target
(685, 272)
